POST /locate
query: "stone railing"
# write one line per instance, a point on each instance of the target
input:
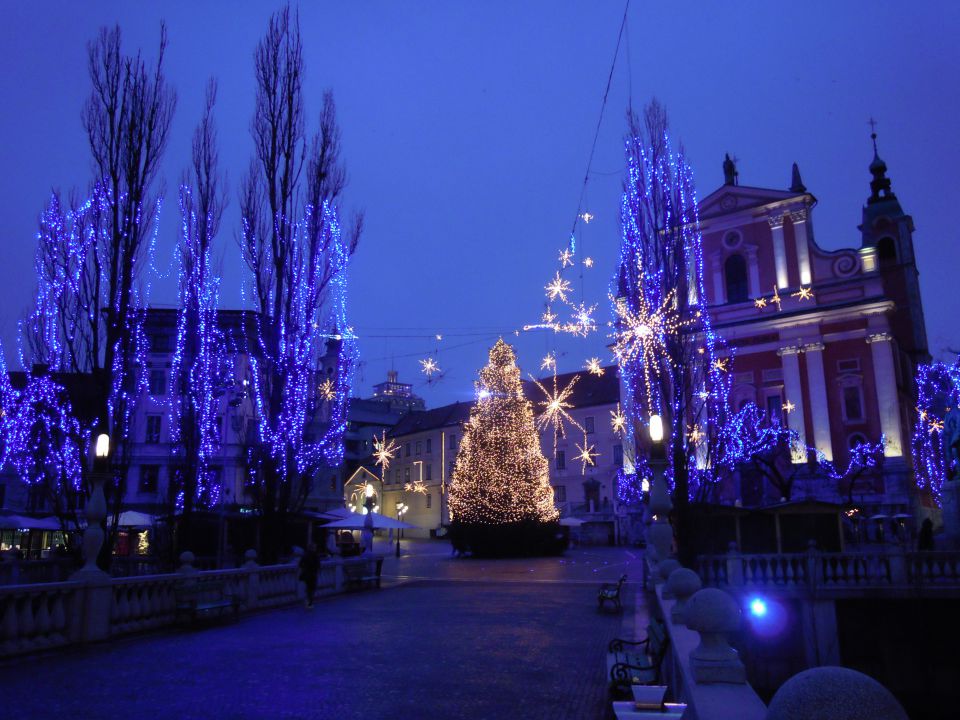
(813, 570)
(98, 607)
(37, 617)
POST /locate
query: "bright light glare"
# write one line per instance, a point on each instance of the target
(656, 428)
(758, 607)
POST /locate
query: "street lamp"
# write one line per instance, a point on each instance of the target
(95, 510)
(401, 509)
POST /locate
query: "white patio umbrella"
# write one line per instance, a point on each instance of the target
(133, 519)
(20, 522)
(571, 521)
(356, 521)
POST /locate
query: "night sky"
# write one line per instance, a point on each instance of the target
(466, 131)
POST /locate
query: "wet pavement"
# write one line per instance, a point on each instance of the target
(446, 638)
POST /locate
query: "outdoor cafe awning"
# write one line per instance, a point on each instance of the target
(356, 521)
(22, 522)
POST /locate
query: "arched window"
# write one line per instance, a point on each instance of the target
(735, 275)
(887, 252)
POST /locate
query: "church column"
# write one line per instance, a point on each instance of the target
(885, 380)
(753, 269)
(790, 358)
(719, 291)
(799, 219)
(779, 251)
(819, 411)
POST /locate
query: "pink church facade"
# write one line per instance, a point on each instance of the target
(826, 341)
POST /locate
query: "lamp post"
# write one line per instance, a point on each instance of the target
(401, 509)
(95, 510)
(659, 534)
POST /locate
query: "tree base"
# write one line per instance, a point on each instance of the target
(521, 539)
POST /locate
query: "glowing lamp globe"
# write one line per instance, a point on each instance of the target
(656, 428)
(102, 449)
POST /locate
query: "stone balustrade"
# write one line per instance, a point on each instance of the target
(846, 571)
(47, 615)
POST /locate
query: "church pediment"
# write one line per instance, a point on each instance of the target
(736, 198)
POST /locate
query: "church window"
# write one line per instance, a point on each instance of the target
(852, 403)
(887, 252)
(735, 275)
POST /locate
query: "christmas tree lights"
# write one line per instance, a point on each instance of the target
(501, 475)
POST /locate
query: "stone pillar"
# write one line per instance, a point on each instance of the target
(819, 410)
(186, 563)
(790, 358)
(719, 288)
(714, 614)
(779, 251)
(659, 533)
(885, 380)
(90, 610)
(753, 272)
(799, 219)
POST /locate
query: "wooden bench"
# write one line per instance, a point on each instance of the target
(204, 598)
(610, 592)
(358, 574)
(637, 662)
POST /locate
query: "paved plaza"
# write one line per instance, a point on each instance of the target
(445, 638)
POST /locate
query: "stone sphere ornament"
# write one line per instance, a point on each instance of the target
(834, 692)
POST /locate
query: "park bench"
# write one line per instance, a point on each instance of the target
(610, 592)
(204, 598)
(359, 574)
(637, 662)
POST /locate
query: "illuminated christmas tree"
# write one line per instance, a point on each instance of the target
(501, 483)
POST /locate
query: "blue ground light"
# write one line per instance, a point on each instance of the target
(758, 607)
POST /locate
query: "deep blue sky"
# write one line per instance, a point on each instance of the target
(466, 130)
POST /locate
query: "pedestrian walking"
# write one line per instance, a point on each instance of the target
(925, 539)
(309, 565)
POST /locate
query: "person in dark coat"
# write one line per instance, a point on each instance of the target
(309, 565)
(925, 539)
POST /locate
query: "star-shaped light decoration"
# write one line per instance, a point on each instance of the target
(555, 406)
(586, 217)
(566, 258)
(582, 323)
(721, 364)
(804, 293)
(641, 333)
(775, 298)
(558, 288)
(384, 451)
(588, 262)
(760, 303)
(593, 367)
(416, 487)
(923, 414)
(429, 366)
(549, 362)
(549, 317)
(618, 420)
(789, 406)
(586, 455)
(327, 389)
(935, 426)
(696, 434)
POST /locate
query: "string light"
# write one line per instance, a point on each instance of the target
(586, 217)
(588, 262)
(760, 303)
(327, 389)
(789, 406)
(549, 362)
(803, 293)
(721, 364)
(938, 390)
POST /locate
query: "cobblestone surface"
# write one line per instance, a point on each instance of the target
(515, 639)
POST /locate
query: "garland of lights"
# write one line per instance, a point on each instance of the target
(501, 475)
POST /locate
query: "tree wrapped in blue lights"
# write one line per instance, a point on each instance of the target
(43, 442)
(664, 343)
(201, 365)
(864, 458)
(934, 460)
(297, 254)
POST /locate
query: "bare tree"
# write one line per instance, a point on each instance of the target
(666, 347)
(200, 370)
(89, 312)
(296, 253)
